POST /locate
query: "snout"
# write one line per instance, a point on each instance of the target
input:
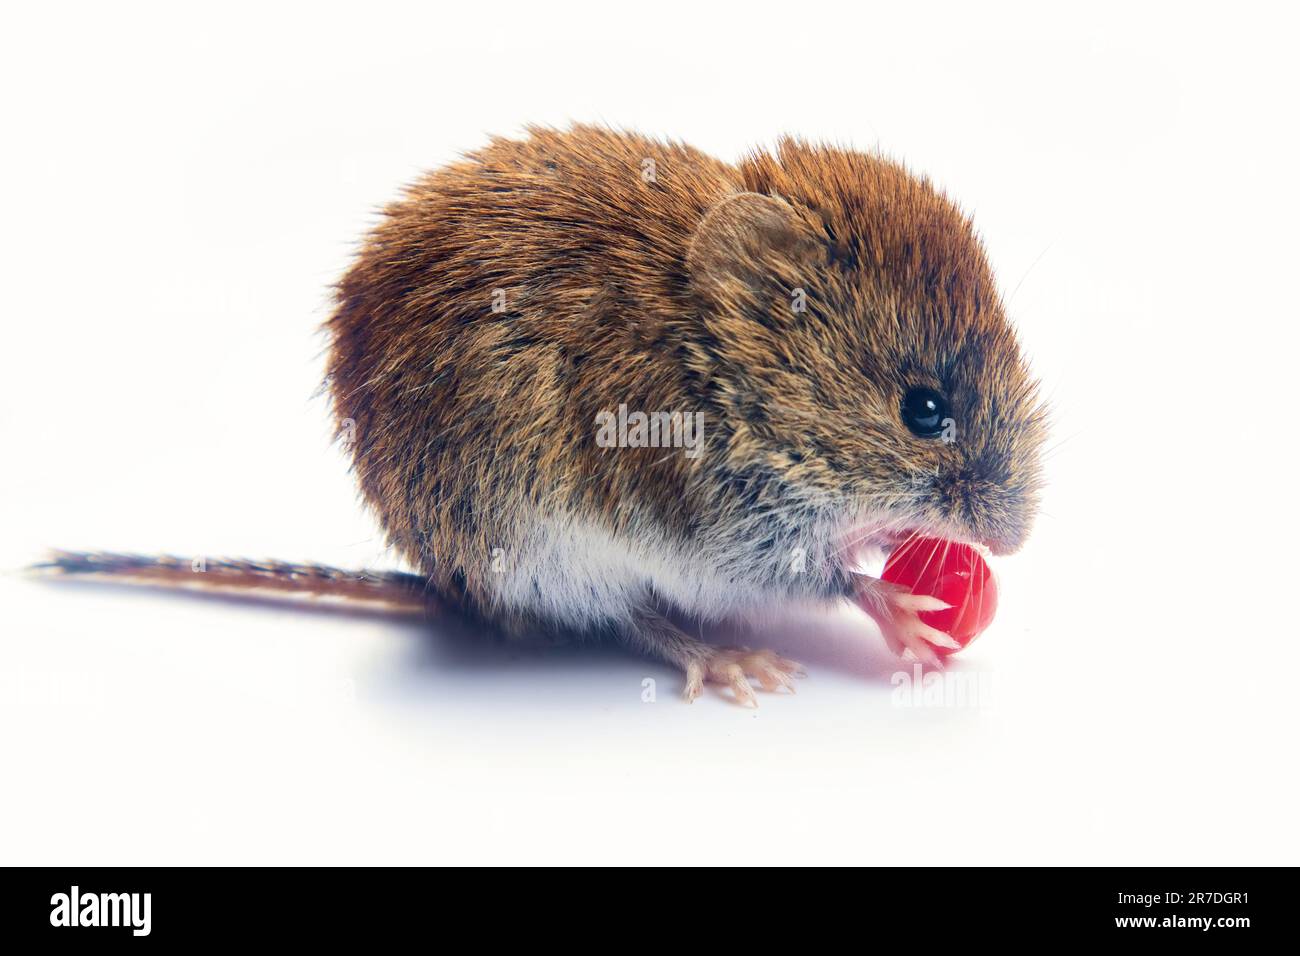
(1002, 527)
(1004, 546)
(992, 514)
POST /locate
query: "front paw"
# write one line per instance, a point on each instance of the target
(896, 610)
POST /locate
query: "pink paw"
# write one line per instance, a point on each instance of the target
(733, 666)
(897, 612)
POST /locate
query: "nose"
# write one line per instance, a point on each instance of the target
(998, 520)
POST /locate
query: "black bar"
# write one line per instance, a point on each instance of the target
(335, 906)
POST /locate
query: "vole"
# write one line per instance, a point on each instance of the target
(597, 384)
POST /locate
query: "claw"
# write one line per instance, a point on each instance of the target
(694, 681)
(740, 688)
(771, 680)
(919, 602)
(733, 666)
(920, 650)
(896, 610)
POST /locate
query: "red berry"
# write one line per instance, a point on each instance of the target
(954, 573)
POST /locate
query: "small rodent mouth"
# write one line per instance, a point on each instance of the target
(867, 547)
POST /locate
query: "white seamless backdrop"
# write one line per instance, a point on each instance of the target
(180, 188)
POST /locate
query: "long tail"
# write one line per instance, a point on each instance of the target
(395, 588)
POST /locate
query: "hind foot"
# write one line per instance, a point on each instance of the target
(652, 633)
(733, 666)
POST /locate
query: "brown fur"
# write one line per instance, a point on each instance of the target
(621, 290)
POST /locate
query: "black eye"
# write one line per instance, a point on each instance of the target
(924, 411)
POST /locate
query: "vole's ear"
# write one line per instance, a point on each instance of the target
(748, 240)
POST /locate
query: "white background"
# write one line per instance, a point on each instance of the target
(181, 187)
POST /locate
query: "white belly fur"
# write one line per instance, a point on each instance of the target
(580, 575)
